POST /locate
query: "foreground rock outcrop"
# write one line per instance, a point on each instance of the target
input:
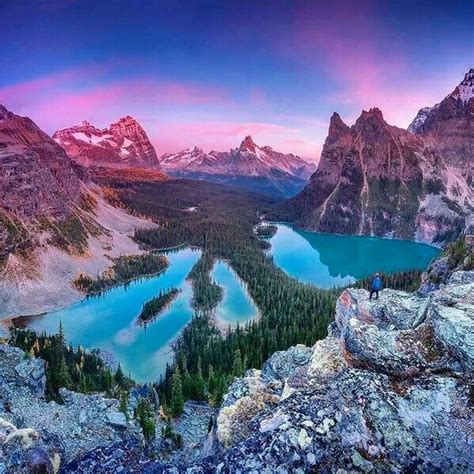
(387, 391)
(37, 436)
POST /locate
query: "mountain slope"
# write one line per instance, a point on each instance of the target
(449, 126)
(248, 166)
(54, 223)
(377, 179)
(123, 144)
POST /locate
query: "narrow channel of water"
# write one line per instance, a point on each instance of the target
(236, 306)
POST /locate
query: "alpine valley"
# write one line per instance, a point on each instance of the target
(245, 310)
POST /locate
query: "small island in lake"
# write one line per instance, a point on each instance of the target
(152, 308)
(266, 231)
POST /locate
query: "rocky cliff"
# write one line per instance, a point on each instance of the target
(40, 436)
(377, 179)
(37, 179)
(387, 391)
(449, 126)
(123, 144)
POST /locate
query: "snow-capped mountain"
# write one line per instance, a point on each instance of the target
(249, 166)
(419, 120)
(377, 179)
(190, 160)
(123, 144)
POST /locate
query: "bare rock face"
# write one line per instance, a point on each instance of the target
(36, 176)
(449, 126)
(123, 144)
(377, 179)
(37, 181)
(377, 398)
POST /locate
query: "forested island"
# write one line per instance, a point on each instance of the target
(152, 308)
(124, 269)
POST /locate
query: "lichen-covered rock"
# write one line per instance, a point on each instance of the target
(281, 364)
(44, 436)
(387, 391)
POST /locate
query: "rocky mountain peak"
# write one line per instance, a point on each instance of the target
(465, 90)
(3, 112)
(374, 112)
(248, 144)
(123, 144)
(337, 127)
(419, 120)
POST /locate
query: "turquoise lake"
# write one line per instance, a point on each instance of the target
(109, 321)
(328, 260)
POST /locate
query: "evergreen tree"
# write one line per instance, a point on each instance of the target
(177, 399)
(146, 419)
(237, 364)
(119, 377)
(63, 378)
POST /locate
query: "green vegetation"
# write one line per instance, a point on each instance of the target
(459, 255)
(266, 231)
(124, 269)
(206, 293)
(145, 416)
(153, 307)
(292, 312)
(405, 281)
(74, 369)
(69, 235)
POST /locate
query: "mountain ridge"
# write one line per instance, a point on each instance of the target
(123, 143)
(377, 179)
(249, 166)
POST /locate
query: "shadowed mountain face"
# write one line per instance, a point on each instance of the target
(123, 144)
(449, 126)
(249, 166)
(377, 179)
(37, 177)
(38, 182)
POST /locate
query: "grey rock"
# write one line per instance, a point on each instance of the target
(117, 418)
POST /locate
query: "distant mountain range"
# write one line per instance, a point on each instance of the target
(125, 144)
(377, 179)
(249, 166)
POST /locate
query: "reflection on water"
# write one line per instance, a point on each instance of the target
(328, 260)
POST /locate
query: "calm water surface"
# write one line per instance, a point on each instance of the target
(236, 305)
(109, 321)
(328, 260)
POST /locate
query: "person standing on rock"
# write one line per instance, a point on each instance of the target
(376, 286)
